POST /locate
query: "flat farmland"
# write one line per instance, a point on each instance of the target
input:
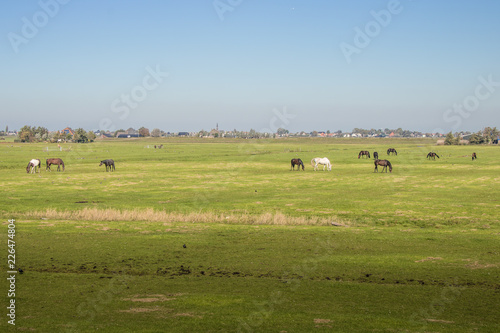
(220, 236)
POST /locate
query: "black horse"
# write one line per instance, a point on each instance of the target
(432, 155)
(375, 155)
(474, 156)
(296, 162)
(384, 163)
(108, 163)
(364, 153)
(392, 150)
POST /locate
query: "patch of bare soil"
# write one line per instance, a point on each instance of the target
(440, 321)
(323, 323)
(429, 259)
(477, 265)
(152, 298)
(139, 310)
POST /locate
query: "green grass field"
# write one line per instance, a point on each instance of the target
(267, 249)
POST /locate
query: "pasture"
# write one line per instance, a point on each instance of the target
(266, 249)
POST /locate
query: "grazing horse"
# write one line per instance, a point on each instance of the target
(474, 156)
(108, 163)
(375, 155)
(323, 161)
(297, 162)
(384, 163)
(56, 161)
(432, 155)
(32, 165)
(392, 150)
(364, 153)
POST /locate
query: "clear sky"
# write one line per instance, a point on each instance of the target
(187, 65)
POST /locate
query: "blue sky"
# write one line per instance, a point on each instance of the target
(301, 65)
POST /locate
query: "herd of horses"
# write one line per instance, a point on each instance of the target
(315, 162)
(36, 163)
(385, 164)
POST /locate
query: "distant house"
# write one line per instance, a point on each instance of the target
(68, 130)
(126, 135)
(183, 134)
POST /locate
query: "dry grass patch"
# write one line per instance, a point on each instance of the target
(151, 215)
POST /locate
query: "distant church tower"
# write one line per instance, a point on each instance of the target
(217, 127)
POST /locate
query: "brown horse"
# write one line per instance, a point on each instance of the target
(384, 163)
(364, 153)
(474, 156)
(296, 162)
(432, 155)
(392, 150)
(56, 161)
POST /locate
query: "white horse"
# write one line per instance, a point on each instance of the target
(32, 165)
(324, 161)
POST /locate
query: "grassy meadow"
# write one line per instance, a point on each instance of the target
(266, 249)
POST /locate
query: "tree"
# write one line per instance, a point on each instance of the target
(41, 131)
(26, 134)
(91, 136)
(476, 139)
(282, 131)
(155, 133)
(490, 134)
(450, 139)
(143, 131)
(80, 136)
(118, 131)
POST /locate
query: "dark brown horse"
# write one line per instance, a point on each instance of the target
(474, 156)
(109, 164)
(432, 155)
(56, 161)
(384, 163)
(364, 153)
(296, 162)
(392, 150)
(375, 155)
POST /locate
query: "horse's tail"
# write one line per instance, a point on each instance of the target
(62, 164)
(389, 165)
(313, 161)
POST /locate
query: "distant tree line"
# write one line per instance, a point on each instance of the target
(486, 136)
